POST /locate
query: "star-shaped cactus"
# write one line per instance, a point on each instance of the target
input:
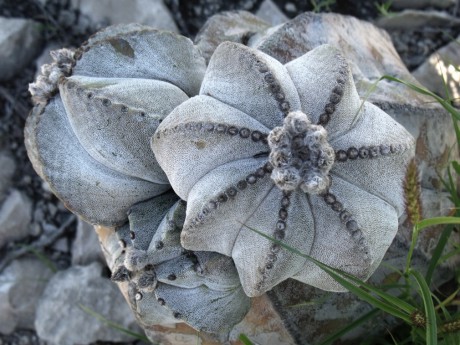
(289, 150)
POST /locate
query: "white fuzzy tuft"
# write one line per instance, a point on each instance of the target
(46, 84)
(300, 155)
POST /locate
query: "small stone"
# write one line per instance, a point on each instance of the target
(22, 284)
(8, 167)
(15, 217)
(270, 12)
(20, 42)
(148, 12)
(402, 4)
(85, 246)
(417, 19)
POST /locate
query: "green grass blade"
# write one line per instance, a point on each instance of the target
(450, 254)
(431, 326)
(358, 322)
(393, 338)
(415, 232)
(453, 188)
(245, 340)
(445, 104)
(113, 325)
(437, 253)
(40, 256)
(389, 304)
(456, 167)
(425, 223)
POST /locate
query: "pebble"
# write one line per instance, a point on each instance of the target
(15, 217)
(416, 19)
(8, 167)
(148, 12)
(271, 13)
(401, 4)
(21, 337)
(21, 286)
(85, 247)
(20, 41)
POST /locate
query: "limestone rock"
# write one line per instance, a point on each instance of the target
(421, 3)
(271, 13)
(61, 319)
(20, 42)
(6, 172)
(413, 19)
(21, 286)
(442, 64)
(85, 247)
(15, 217)
(228, 26)
(148, 12)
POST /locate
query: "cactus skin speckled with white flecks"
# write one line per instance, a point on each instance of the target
(168, 284)
(347, 222)
(88, 136)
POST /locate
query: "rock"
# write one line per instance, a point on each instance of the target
(149, 12)
(21, 286)
(236, 26)
(6, 172)
(61, 318)
(21, 337)
(45, 57)
(270, 12)
(85, 247)
(20, 41)
(15, 217)
(190, 16)
(400, 4)
(442, 64)
(61, 245)
(414, 19)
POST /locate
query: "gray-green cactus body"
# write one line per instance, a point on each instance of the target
(97, 108)
(168, 284)
(289, 150)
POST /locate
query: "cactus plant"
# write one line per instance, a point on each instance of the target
(245, 141)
